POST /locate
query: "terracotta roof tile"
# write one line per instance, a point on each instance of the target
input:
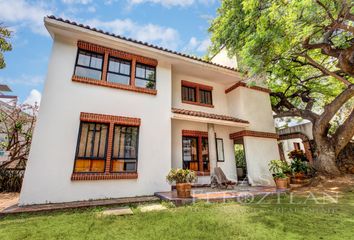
(207, 115)
(140, 42)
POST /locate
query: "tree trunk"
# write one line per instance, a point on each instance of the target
(325, 163)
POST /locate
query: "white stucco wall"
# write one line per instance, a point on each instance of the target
(51, 160)
(253, 106)
(259, 152)
(223, 59)
(223, 132)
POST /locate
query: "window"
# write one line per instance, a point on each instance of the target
(195, 153)
(118, 71)
(92, 147)
(89, 65)
(188, 94)
(197, 94)
(205, 97)
(145, 76)
(125, 149)
(220, 150)
(296, 146)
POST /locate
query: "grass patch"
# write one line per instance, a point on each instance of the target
(274, 218)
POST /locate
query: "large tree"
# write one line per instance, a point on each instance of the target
(306, 47)
(5, 45)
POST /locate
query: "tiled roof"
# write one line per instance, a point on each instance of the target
(140, 42)
(207, 115)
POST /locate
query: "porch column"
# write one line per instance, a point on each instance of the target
(212, 148)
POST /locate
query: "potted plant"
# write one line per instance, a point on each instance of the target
(278, 169)
(183, 179)
(299, 168)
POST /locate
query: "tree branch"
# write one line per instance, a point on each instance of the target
(344, 133)
(325, 70)
(331, 109)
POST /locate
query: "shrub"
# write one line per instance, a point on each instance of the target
(10, 180)
(181, 176)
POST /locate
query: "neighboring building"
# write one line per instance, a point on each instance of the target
(117, 114)
(297, 137)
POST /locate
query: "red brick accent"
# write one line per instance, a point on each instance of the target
(305, 141)
(102, 176)
(116, 53)
(111, 120)
(102, 118)
(192, 133)
(114, 85)
(242, 84)
(207, 115)
(197, 87)
(249, 133)
(120, 54)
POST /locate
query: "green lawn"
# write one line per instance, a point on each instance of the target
(268, 220)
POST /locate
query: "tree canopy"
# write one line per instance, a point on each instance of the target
(306, 49)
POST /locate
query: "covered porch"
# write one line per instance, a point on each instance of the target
(201, 141)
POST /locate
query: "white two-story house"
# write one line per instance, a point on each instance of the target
(117, 114)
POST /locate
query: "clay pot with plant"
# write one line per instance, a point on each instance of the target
(183, 179)
(278, 168)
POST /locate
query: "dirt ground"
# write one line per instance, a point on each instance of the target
(8, 199)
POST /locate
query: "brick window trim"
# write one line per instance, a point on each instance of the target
(119, 54)
(242, 84)
(199, 135)
(249, 133)
(111, 120)
(113, 85)
(197, 87)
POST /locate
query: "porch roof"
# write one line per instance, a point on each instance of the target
(198, 116)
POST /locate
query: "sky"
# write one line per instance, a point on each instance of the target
(180, 25)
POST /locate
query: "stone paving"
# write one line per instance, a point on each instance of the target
(79, 204)
(8, 199)
(239, 193)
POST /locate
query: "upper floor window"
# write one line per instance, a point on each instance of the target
(188, 94)
(118, 71)
(145, 76)
(198, 94)
(89, 65)
(205, 97)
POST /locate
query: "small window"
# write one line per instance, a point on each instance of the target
(118, 71)
(188, 94)
(220, 150)
(297, 146)
(205, 97)
(125, 149)
(92, 146)
(89, 65)
(145, 76)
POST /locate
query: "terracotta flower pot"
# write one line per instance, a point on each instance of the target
(299, 175)
(281, 183)
(184, 190)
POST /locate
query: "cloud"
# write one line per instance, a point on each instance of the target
(34, 98)
(162, 36)
(83, 2)
(195, 45)
(23, 80)
(24, 14)
(173, 3)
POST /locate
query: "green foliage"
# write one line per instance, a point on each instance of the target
(298, 154)
(181, 176)
(268, 36)
(5, 45)
(299, 166)
(279, 168)
(240, 157)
